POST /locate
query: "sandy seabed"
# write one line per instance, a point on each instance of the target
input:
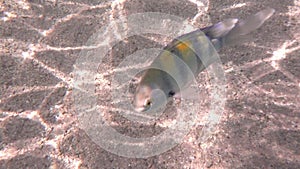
(42, 40)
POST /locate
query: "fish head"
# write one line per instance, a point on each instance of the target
(148, 98)
(142, 98)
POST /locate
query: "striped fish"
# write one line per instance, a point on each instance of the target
(186, 56)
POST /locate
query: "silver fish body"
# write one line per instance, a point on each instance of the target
(188, 55)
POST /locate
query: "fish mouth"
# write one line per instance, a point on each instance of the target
(141, 109)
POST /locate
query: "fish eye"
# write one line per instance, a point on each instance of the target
(171, 93)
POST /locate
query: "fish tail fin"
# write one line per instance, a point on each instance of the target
(233, 31)
(244, 27)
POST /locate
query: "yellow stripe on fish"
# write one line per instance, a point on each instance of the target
(183, 46)
(186, 52)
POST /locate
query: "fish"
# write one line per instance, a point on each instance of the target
(187, 55)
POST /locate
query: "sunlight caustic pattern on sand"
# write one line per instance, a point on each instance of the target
(26, 52)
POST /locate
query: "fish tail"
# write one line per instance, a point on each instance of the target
(233, 31)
